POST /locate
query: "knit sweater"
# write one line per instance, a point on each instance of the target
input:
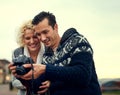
(71, 67)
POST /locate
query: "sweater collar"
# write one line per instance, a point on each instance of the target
(67, 34)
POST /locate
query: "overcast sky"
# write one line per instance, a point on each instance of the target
(97, 20)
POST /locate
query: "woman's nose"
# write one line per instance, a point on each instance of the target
(31, 40)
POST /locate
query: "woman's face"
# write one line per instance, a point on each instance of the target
(31, 40)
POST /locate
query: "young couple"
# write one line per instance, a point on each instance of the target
(67, 62)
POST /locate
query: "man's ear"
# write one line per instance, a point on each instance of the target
(56, 27)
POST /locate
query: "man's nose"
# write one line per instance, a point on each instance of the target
(43, 37)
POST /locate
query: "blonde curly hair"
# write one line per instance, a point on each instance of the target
(20, 35)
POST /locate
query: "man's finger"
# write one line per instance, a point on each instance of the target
(27, 76)
(27, 65)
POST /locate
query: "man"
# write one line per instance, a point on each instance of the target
(68, 61)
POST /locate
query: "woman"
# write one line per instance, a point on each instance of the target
(30, 47)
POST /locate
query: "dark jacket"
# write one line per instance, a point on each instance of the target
(73, 72)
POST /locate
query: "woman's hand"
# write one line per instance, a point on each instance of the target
(45, 86)
(12, 68)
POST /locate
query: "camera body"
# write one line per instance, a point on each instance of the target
(20, 61)
(33, 84)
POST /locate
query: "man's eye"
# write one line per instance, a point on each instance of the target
(45, 32)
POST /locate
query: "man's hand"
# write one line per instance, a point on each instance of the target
(38, 70)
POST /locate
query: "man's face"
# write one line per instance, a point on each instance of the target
(46, 33)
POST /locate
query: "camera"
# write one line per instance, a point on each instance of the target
(33, 84)
(20, 61)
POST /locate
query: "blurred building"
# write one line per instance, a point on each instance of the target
(4, 72)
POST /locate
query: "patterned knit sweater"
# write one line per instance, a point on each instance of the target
(71, 68)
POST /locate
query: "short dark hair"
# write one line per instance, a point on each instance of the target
(42, 15)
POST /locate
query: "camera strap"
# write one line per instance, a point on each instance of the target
(32, 78)
(30, 91)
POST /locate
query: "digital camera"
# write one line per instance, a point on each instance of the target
(33, 84)
(19, 62)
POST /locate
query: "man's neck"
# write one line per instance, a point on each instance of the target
(54, 48)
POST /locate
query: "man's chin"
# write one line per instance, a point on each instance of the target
(47, 45)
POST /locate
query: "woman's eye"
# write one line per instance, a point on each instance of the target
(27, 38)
